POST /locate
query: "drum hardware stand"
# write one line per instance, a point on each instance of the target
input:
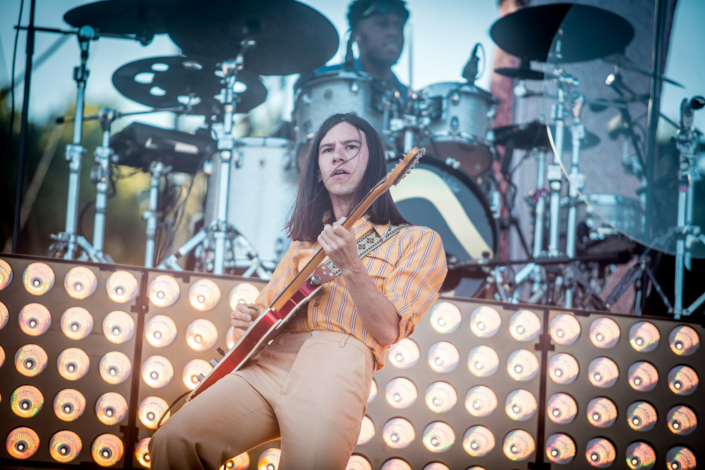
(157, 170)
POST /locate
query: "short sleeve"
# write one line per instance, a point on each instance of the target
(416, 279)
(283, 274)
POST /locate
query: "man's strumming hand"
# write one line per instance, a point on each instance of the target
(341, 247)
(242, 317)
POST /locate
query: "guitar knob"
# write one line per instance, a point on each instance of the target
(221, 352)
(315, 280)
(214, 362)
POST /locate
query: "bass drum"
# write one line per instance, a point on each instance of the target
(447, 200)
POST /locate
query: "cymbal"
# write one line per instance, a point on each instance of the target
(586, 32)
(140, 17)
(163, 82)
(520, 73)
(291, 37)
(534, 134)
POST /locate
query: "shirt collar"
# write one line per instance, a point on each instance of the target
(363, 226)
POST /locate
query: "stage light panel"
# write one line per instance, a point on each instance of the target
(65, 446)
(80, 282)
(518, 445)
(373, 391)
(22, 443)
(522, 365)
(644, 336)
(641, 416)
(561, 408)
(4, 315)
(243, 293)
(367, 431)
(157, 371)
(201, 335)
(682, 380)
(483, 361)
(34, 319)
(603, 372)
(445, 317)
(478, 441)
(358, 462)
(401, 393)
(204, 294)
(642, 376)
(115, 367)
(164, 291)
(69, 405)
(684, 340)
(404, 354)
(398, 433)
(142, 453)
(560, 449)
(520, 405)
(31, 360)
(160, 331)
(681, 420)
(26, 401)
(443, 357)
(601, 412)
(192, 370)
(438, 437)
(5, 274)
(269, 459)
(640, 456)
(76, 323)
(151, 410)
(564, 329)
(73, 363)
(563, 369)
(111, 408)
(485, 322)
(122, 287)
(118, 327)
(441, 397)
(681, 458)
(604, 333)
(107, 450)
(38, 278)
(396, 464)
(600, 453)
(524, 326)
(480, 401)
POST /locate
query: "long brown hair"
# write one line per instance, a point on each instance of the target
(313, 200)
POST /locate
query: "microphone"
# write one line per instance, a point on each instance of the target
(470, 70)
(697, 102)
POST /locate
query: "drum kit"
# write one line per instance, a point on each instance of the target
(252, 181)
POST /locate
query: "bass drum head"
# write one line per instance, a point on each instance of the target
(447, 200)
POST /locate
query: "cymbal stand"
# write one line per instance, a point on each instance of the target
(157, 169)
(69, 241)
(100, 175)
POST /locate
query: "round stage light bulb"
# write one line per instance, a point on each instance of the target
(73, 363)
(80, 282)
(563, 369)
(520, 405)
(600, 452)
(201, 335)
(269, 459)
(603, 372)
(38, 278)
(142, 453)
(478, 441)
(22, 443)
(404, 354)
(518, 445)
(443, 357)
(644, 336)
(373, 391)
(436, 466)
(641, 416)
(115, 367)
(684, 340)
(26, 401)
(682, 380)
(204, 295)
(122, 287)
(243, 293)
(642, 376)
(34, 319)
(31, 360)
(157, 371)
(107, 450)
(560, 449)
(151, 410)
(367, 431)
(118, 327)
(192, 370)
(160, 331)
(480, 401)
(69, 405)
(2, 356)
(358, 462)
(65, 446)
(76, 323)
(564, 329)
(401, 393)
(640, 456)
(164, 291)
(395, 464)
(398, 433)
(229, 338)
(561, 408)
(441, 397)
(524, 325)
(5, 274)
(4, 315)
(438, 437)
(681, 420)
(111, 408)
(604, 333)
(241, 462)
(680, 458)
(601, 412)
(483, 361)
(485, 322)
(445, 317)
(522, 365)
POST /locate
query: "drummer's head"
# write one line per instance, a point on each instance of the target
(378, 28)
(349, 143)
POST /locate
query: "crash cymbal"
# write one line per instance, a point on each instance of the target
(534, 134)
(141, 17)
(520, 73)
(586, 33)
(291, 37)
(163, 82)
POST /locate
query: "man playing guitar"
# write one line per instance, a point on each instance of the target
(310, 385)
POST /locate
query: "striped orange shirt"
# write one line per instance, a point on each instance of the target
(408, 269)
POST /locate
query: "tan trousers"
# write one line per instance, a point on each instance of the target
(310, 389)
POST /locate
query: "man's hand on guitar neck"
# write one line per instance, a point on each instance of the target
(241, 319)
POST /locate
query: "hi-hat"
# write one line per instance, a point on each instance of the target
(534, 134)
(585, 33)
(165, 82)
(143, 18)
(291, 37)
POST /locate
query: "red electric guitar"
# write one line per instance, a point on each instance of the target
(309, 281)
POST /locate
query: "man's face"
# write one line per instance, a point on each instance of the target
(342, 159)
(381, 38)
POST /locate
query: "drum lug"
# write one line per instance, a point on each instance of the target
(455, 97)
(491, 112)
(454, 123)
(208, 167)
(306, 99)
(354, 87)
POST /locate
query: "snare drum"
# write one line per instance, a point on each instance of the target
(461, 122)
(263, 186)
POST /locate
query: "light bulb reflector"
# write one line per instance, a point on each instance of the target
(192, 370)
(520, 405)
(4, 314)
(682, 380)
(243, 293)
(118, 327)
(518, 445)
(604, 333)
(164, 291)
(445, 317)
(157, 371)
(122, 287)
(204, 295)
(76, 323)
(524, 325)
(485, 322)
(26, 401)
(436, 466)
(561, 408)
(441, 397)
(443, 357)
(373, 391)
(644, 336)
(483, 361)
(641, 416)
(38, 278)
(229, 338)
(564, 329)
(111, 408)
(358, 462)
(34, 319)
(640, 456)
(269, 459)
(367, 431)
(22, 443)
(31, 360)
(73, 363)
(480, 401)
(241, 462)
(681, 420)
(80, 282)
(522, 365)
(65, 446)
(560, 449)
(201, 335)
(404, 354)
(398, 433)
(2, 356)
(395, 464)
(151, 410)
(603, 372)
(107, 450)
(684, 340)
(642, 376)
(600, 453)
(160, 331)
(401, 393)
(438, 437)
(115, 367)
(478, 441)
(69, 405)
(563, 369)
(680, 458)
(142, 453)
(5, 274)
(601, 412)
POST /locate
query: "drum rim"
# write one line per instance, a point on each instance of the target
(466, 87)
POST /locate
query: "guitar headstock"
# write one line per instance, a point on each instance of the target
(404, 167)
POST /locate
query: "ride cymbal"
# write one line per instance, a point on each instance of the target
(143, 18)
(534, 134)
